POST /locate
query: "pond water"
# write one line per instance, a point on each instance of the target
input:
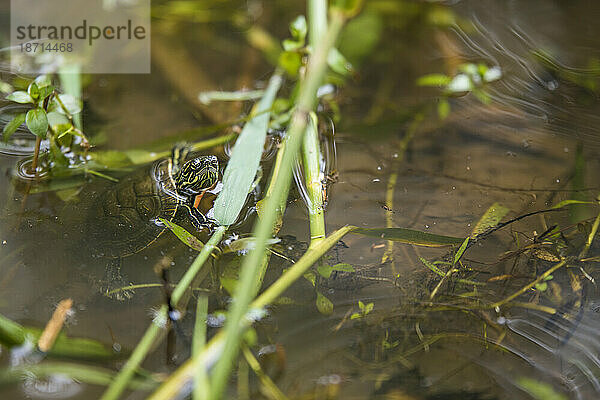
(530, 144)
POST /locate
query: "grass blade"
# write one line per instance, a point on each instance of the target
(410, 236)
(245, 159)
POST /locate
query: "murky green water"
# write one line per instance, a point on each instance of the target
(519, 150)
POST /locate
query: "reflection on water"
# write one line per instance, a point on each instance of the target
(520, 150)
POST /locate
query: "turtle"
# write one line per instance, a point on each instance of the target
(125, 219)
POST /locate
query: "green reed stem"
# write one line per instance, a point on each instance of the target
(213, 350)
(247, 286)
(313, 178)
(201, 383)
(148, 340)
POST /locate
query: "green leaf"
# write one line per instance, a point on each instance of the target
(298, 28)
(309, 276)
(290, 45)
(443, 108)
(12, 126)
(438, 80)
(37, 122)
(338, 63)
(71, 104)
(361, 305)
(183, 235)
(290, 62)
(45, 92)
(360, 36)
(565, 203)
(20, 97)
(539, 390)
(409, 236)
(489, 219)
(324, 305)
(432, 267)
(325, 271)
(245, 159)
(5, 87)
(55, 119)
(33, 91)
(245, 244)
(14, 334)
(343, 267)
(460, 251)
(369, 308)
(349, 8)
(43, 81)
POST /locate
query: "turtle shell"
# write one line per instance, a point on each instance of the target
(123, 220)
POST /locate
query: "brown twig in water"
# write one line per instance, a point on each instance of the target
(54, 326)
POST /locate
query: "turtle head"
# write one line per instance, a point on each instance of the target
(196, 175)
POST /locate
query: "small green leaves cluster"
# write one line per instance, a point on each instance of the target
(365, 309)
(292, 59)
(49, 110)
(472, 78)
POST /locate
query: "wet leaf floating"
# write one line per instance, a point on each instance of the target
(410, 236)
(489, 219)
(13, 334)
(183, 235)
(245, 244)
(565, 203)
(324, 305)
(245, 158)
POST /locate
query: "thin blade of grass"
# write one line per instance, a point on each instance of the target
(183, 235)
(410, 236)
(201, 383)
(247, 287)
(80, 372)
(152, 333)
(213, 350)
(245, 159)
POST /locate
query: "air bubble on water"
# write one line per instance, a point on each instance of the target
(426, 226)
(376, 180)
(552, 85)
(395, 155)
(566, 149)
(379, 168)
(557, 180)
(4, 242)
